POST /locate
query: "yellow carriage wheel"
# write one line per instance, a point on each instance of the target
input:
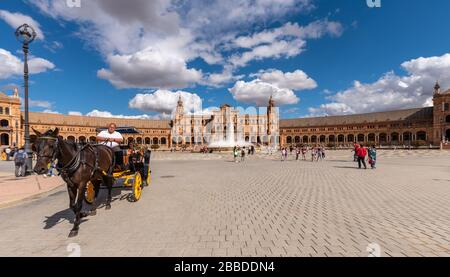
(149, 177)
(137, 186)
(90, 193)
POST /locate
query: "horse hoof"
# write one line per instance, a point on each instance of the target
(108, 207)
(73, 233)
(92, 213)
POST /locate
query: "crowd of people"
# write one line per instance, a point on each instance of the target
(317, 153)
(240, 152)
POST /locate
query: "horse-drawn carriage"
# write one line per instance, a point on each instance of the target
(86, 167)
(134, 169)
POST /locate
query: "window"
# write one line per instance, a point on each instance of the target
(1, 110)
(7, 111)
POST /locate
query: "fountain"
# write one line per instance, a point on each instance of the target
(226, 140)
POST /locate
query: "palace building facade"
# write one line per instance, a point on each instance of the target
(226, 125)
(411, 127)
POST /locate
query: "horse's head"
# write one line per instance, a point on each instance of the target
(46, 147)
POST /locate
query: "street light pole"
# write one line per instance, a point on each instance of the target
(17, 133)
(26, 34)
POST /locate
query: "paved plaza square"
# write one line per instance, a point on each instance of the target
(207, 205)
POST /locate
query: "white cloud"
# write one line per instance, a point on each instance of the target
(75, 113)
(213, 18)
(50, 111)
(224, 77)
(39, 104)
(164, 101)
(297, 80)
(150, 68)
(97, 113)
(17, 19)
(391, 92)
(286, 41)
(277, 49)
(314, 30)
(11, 65)
(180, 32)
(258, 92)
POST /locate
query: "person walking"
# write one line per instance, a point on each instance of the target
(304, 150)
(235, 154)
(355, 149)
(242, 154)
(319, 153)
(297, 153)
(8, 154)
(19, 161)
(362, 153)
(283, 153)
(373, 157)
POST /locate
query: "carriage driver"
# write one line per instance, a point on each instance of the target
(112, 139)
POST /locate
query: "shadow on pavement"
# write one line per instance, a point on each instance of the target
(59, 217)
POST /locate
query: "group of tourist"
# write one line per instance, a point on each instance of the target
(361, 153)
(317, 153)
(240, 152)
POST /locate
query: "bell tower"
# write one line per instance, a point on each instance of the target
(179, 110)
(441, 116)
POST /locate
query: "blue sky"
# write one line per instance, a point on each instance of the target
(316, 57)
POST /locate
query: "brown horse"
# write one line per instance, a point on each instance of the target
(78, 165)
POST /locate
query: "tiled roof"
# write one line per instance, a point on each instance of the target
(88, 121)
(418, 114)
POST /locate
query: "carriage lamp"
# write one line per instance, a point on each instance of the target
(26, 35)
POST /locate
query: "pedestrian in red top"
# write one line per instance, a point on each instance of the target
(355, 149)
(362, 153)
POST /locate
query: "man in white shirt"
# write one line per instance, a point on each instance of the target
(112, 139)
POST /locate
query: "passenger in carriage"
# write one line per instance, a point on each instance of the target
(112, 139)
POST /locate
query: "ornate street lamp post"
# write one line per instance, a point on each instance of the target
(26, 34)
(17, 133)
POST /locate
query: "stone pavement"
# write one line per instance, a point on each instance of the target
(262, 207)
(14, 190)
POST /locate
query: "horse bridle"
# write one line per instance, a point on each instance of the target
(55, 147)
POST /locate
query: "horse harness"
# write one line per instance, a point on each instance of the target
(78, 159)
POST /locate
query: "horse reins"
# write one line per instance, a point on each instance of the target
(74, 163)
